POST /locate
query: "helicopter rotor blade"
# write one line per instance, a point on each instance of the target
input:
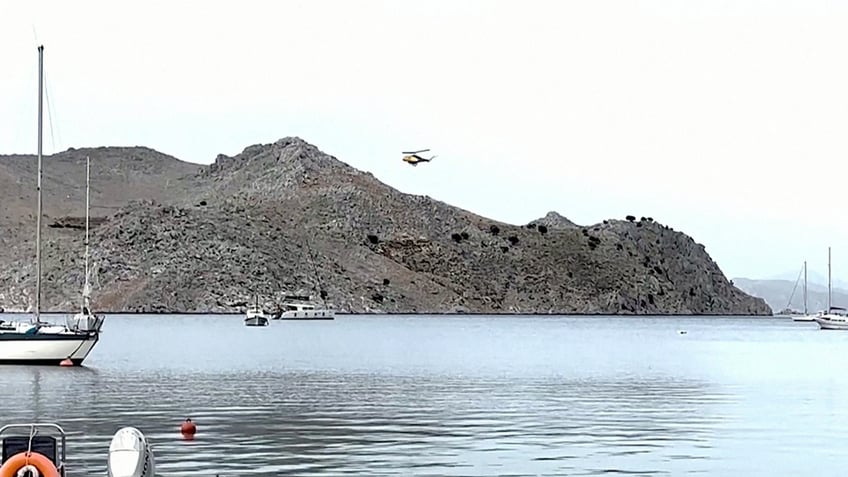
(414, 152)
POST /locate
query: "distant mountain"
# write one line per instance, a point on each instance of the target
(812, 277)
(777, 293)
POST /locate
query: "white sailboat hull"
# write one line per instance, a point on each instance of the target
(37, 342)
(45, 349)
(804, 318)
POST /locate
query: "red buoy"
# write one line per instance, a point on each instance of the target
(66, 362)
(188, 428)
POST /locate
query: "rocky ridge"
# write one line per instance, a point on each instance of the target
(286, 218)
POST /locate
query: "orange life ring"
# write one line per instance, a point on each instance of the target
(20, 460)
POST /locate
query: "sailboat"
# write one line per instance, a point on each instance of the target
(85, 319)
(299, 307)
(36, 341)
(805, 316)
(835, 318)
(255, 316)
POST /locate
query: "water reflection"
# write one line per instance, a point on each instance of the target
(313, 423)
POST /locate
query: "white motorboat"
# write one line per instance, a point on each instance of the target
(835, 319)
(297, 310)
(36, 341)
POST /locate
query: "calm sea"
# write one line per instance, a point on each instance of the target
(451, 396)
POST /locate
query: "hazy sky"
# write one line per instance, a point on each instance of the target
(723, 119)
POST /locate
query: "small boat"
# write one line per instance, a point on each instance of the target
(805, 315)
(255, 316)
(295, 310)
(130, 455)
(299, 307)
(789, 312)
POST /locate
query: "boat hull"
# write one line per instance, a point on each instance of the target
(833, 327)
(256, 321)
(804, 318)
(130, 455)
(829, 324)
(45, 349)
(307, 315)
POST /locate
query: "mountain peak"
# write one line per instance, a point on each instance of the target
(554, 220)
(289, 154)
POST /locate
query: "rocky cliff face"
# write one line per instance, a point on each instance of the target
(284, 218)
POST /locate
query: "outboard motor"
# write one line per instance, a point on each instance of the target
(130, 455)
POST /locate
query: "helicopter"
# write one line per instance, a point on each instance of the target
(413, 158)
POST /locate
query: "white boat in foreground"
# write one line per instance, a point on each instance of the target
(130, 455)
(44, 344)
(38, 342)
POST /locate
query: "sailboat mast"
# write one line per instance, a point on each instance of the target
(829, 303)
(85, 290)
(315, 270)
(805, 287)
(38, 208)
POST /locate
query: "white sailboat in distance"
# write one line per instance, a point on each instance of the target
(835, 317)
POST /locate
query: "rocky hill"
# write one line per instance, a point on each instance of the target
(286, 218)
